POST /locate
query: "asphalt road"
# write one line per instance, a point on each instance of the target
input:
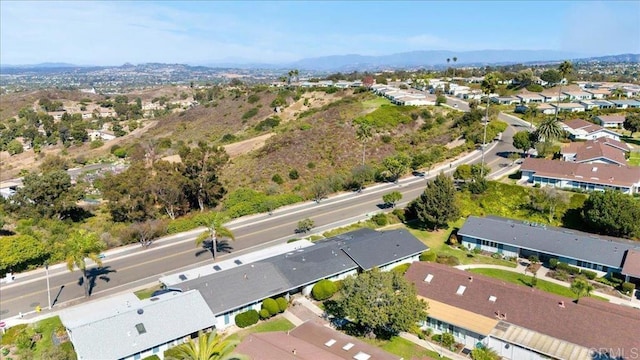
(131, 267)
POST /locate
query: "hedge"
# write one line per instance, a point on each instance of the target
(589, 274)
(627, 288)
(264, 314)
(401, 269)
(323, 290)
(247, 318)
(282, 304)
(428, 256)
(271, 306)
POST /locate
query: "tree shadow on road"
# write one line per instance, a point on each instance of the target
(94, 274)
(223, 246)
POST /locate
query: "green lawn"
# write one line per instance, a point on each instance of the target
(275, 324)
(375, 103)
(46, 327)
(146, 293)
(634, 159)
(404, 348)
(521, 279)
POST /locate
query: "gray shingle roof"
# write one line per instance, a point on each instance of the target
(234, 288)
(170, 317)
(382, 248)
(551, 240)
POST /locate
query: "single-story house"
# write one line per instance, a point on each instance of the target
(599, 151)
(101, 134)
(577, 95)
(588, 104)
(582, 176)
(598, 93)
(310, 341)
(569, 107)
(124, 327)
(343, 84)
(505, 100)
(530, 98)
(580, 129)
(610, 121)
(603, 104)
(247, 285)
(515, 238)
(553, 96)
(520, 322)
(626, 104)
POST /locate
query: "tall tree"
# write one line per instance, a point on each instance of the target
(364, 133)
(552, 76)
(381, 303)
(80, 246)
(617, 92)
(612, 213)
(169, 185)
(209, 346)
(564, 69)
(49, 195)
(392, 198)
(202, 165)
(522, 141)
(455, 59)
(215, 229)
(128, 194)
(395, 166)
(437, 205)
(548, 199)
(632, 122)
(489, 85)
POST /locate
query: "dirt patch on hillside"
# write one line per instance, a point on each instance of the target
(246, 146)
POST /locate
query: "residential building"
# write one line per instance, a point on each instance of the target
(610, 121)
(247, 285)
(309, 341)
(101, 134)
(581, 176)
(603, 151)
(124, 327)
(569, 107)
(626, 104)
(603, 104)
(598, 93)
(577, 95)
(520, 322)
(580, 129)
(505, 100)
(553, 96)
(530, 98)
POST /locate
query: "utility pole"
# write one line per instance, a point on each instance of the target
(484, 138)
(46, 268)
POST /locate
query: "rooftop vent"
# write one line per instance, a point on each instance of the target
(140, 311)
(470, 278)
(461, 290)
(140, 328)
(330, 343)
(348, 346)
(595, 168)
(492, 298)
(428, 278)
(182, 277)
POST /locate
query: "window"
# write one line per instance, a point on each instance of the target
(156, 349)
(136, 357)
(330, 343)
(140, 328)
(461, 290)
(348, 346)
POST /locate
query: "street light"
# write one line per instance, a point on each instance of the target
(46, 268)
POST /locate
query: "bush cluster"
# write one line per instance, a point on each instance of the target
(323, 290)
(247, 318)
(448, 260)
(401, 269)
(627, 288)
(428, 256)
(380, 219)
(248, 201)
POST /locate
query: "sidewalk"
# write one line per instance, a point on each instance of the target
(542, 275)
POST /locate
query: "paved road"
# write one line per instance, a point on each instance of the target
(131, 267)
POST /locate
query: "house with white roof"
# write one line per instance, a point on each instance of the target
(580, 129)
(598, 93)
(626, 104)
(530, 98)
(577, 95)
(553, 96)
(569, 107)
(505, 100)
(610, 121)
(124, 327)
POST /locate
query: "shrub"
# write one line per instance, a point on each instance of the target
(120, 153)
(496, 256)
(12, 333)
(323, 290)
(268, 123)
(589, 274)
(553, 263)
(400, 214)
(282, 304)
(609, 280)
(247, 318)
(380, 219)
(448, 340)
(293, 174)
(535, 88)
(534, 259)
(152, 357)
(567, 268)
(401, 269)
(253, 98)
(627, 288)
(271, 306)
(448, 260)
(476, 250)
(264, 314)
(428, 256)
(96, 144)
(250, 113)
(277, 179)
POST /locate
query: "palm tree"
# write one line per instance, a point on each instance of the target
(489, 85)
(581, 288)
(209, 347)
(215, 228)
(448, 61)
(617, 92)
(549, 130)
(81, 245)
(455, 59)
(364, 134)
(564, 69)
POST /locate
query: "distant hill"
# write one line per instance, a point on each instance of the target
(46, 65)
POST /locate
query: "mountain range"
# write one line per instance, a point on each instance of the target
(413, 59)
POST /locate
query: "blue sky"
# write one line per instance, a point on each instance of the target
(200, 32)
